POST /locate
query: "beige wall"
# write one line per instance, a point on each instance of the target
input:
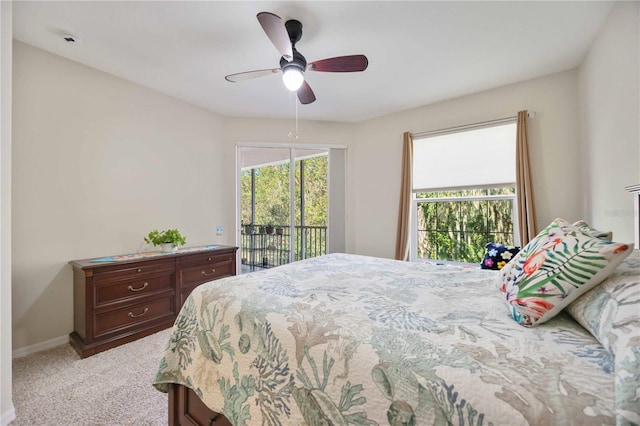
(98, 163)
(610, 120)
(553, 144)
(7, 412)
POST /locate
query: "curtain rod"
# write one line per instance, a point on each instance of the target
(530, 114)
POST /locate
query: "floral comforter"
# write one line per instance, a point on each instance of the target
(358, 340)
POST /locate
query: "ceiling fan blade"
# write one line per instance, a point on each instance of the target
(351, 63)
(275, 29)
(248, 75)
(305, 94)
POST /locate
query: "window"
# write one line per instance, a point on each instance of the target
(291, 201)
(464, 192)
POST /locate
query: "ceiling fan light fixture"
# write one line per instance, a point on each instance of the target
(292, 78)
(293, 65)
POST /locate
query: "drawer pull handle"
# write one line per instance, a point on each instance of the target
(139, 270)
(209, 259)
(139, 288)
(204, 274)
(132, 315)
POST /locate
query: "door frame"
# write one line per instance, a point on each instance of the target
(283, 145)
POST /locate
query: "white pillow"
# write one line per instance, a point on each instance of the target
(611, 312)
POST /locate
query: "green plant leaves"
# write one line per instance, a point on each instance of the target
(170, 236)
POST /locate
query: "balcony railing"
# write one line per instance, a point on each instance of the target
(260, 250)
(459, 228)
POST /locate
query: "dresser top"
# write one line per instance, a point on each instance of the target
(147, 256)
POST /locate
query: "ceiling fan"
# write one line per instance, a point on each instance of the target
(284, 36)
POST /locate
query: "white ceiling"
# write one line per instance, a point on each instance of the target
(420, 52)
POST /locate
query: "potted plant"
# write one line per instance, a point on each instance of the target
(270, 228)
(279, 230)
(168, 240)
(248, 228)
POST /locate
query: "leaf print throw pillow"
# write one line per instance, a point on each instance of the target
(559, 265)
(498, 255)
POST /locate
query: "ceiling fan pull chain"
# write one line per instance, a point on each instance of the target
(292, 134)
(296, 119)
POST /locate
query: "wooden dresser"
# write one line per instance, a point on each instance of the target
(118, 301)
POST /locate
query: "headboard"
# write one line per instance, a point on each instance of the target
(635, 189)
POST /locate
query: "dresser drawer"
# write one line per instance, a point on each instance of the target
(201, 274)
(134, 315)
(132, 271)
(113, 291)
(206, 259)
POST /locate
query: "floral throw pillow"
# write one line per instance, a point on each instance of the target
(555, 268)
(498, 255)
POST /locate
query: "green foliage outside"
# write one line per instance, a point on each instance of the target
(459, 230)
(272, 193)
(272, 200)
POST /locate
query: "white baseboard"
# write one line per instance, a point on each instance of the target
(8, 416)
(31, 349)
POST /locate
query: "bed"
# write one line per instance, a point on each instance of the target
(348, 339)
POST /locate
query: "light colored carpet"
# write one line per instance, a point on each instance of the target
(56, 387)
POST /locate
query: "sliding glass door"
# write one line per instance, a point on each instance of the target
(284, 204)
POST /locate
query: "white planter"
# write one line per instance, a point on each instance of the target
(167, 248)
